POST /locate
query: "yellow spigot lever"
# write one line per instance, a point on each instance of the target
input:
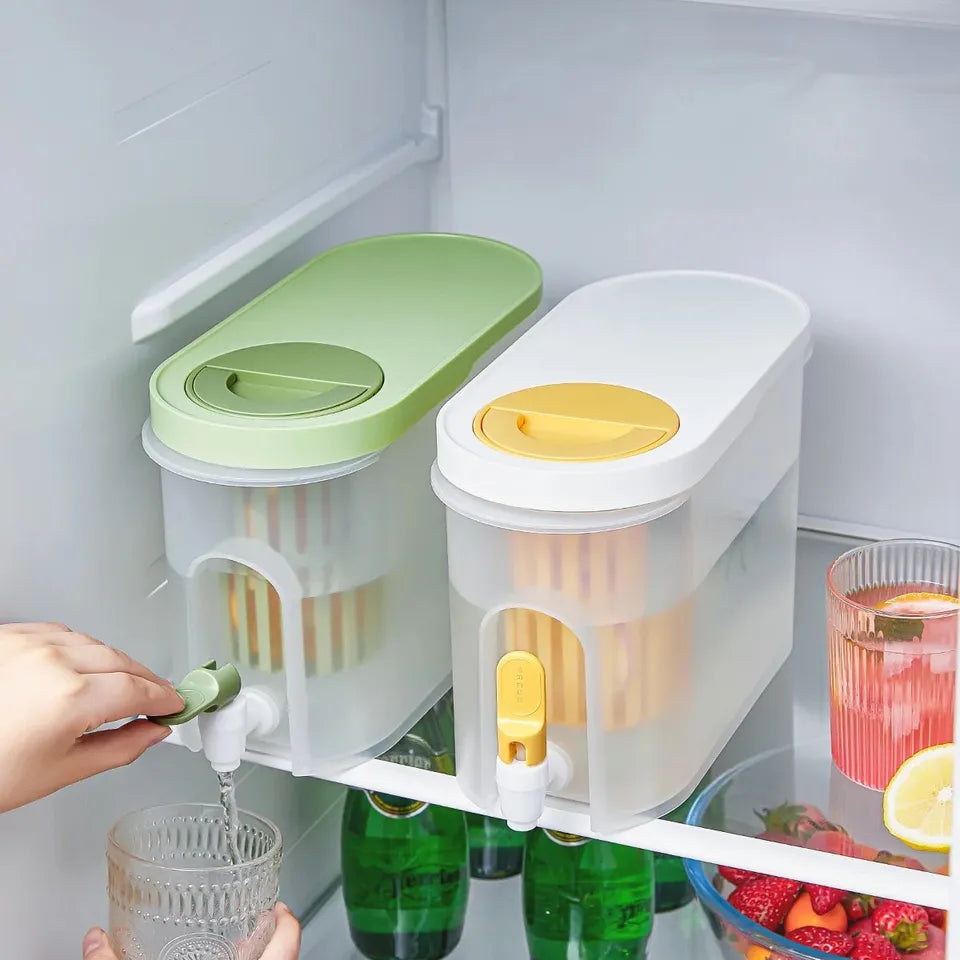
(525, 766)
(521, 709)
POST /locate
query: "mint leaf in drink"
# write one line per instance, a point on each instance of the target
(898, 628)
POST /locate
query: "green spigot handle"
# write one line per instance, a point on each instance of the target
(204, 690)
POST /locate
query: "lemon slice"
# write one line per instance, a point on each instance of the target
(918, 801)
(919, 604)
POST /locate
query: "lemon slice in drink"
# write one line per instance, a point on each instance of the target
(919, 604)
(918, 801)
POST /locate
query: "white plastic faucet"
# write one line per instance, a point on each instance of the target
(523, 788)
(227, 714)
(527, 765)
(223, 733)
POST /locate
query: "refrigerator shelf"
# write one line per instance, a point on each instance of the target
(793, 710)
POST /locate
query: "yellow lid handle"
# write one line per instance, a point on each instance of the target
(576, 422)
(545, 436)
(521, 708)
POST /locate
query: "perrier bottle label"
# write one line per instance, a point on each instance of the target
(398, 807)
(405, 862)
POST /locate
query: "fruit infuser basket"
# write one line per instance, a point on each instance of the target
(642, 662)
(341, 627)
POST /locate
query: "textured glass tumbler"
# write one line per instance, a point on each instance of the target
(174, 894)
(892, 619)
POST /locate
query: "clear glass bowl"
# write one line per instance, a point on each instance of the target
(174, 892)
(788, 775)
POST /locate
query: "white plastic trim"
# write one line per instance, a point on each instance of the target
(931, 12)
(857, 531)
(183, 466)
(165, 306)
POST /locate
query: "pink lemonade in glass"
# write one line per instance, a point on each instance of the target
(892, 621)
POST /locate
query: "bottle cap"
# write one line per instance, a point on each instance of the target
(204, 690)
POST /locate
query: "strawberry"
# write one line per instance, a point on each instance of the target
(873, 946)
(896, 860)
(833, 841)
(765, 900)
(824, 899)
(903, 924)
(864, 925)
(798, 820)
(937, 916)
(859, 906)
(781, 838)
(936, 945)
(826, 941)
(736, 875)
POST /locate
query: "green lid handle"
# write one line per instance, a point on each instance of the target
(204, 690)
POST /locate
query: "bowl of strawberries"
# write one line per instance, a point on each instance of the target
(761, 917)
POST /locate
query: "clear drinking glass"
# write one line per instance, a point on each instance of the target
(892, 618)
(174, 893)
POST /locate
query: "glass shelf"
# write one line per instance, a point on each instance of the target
(494, 928)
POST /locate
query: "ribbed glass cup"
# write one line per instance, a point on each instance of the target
(891, 676)
(175, 895)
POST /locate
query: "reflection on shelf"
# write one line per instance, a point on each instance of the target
(494, 928)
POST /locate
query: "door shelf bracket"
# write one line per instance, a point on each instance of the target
(167, 304)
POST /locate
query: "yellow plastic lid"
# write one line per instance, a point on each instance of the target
(576, 422)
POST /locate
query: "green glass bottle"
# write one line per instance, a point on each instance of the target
(672, 888)
(496, 851)
(586, 899)
(404, 862)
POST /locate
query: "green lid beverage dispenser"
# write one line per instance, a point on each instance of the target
(295, 440)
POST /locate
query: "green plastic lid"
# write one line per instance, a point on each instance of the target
(285, 379)
(343, 356)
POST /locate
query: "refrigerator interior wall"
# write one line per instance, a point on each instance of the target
(134, 141)
(817, 152)
(604, 137)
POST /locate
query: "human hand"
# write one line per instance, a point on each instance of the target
(283, 945)
(56, 686)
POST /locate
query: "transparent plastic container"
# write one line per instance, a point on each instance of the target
(174, 892)
(308, 588)
(658, 622)
(295, 440)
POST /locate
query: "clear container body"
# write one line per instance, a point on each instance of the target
(656, 637)
(330, 593)
(174, 893)
(892, 666)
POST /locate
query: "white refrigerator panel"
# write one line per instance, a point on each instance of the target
(816, 152)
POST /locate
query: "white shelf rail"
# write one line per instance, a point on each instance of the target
(198, 284)
(664, 836)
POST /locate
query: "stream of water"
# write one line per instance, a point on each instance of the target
(231, 818)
